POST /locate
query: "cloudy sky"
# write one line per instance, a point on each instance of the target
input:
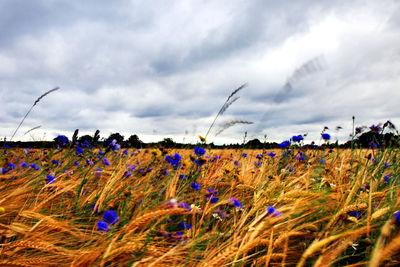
(164, 68)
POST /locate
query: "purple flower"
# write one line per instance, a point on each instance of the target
(106, 162)
(271, 154)
(244, 155)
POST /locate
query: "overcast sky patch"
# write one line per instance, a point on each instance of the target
(165, 69)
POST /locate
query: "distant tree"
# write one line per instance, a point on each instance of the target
(96, 136)
(254, 143)
(134, 141)
(87, 138)
(167, 143)
(116, 136)
(75, 136)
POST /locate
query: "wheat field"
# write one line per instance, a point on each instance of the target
(204, 207)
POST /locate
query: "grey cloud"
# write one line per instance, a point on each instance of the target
(136, 66)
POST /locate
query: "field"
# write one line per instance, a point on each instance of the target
(87, 206)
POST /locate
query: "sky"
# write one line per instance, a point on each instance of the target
(163, 69)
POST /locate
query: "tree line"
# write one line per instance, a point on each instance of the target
(369, 139)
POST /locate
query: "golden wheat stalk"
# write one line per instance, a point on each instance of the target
(34, 104)
(318, 245)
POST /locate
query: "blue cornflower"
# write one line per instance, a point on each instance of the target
(356, 214)
(92, 208)
(375, 128)
(125, 152)
(199, 162)
(101, 153)
(183, 205)
(322, 161)
(236, 163)
(195, 186)
(372, 145)
(259, 156)
(273, 211)
(102, 226)
(270, 210)
(199, 151)
(271, 154)
(212, 191)
(182, 177)
(387, 165)
(34, 166)
(326, 136)
(284, 144)
(106, 162)
(50, 179)
(236, 202)
(11, 166)
(62, 139)
(213, 199)
(76, 163)
(174, 161)
(127, 174)
(24, 164)
(297, 138)
(386, 178)
(110, 217)
(133, 167)
(244, 155)
(55, 162)
(79, 150)
(396, 216)
(186, 226)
